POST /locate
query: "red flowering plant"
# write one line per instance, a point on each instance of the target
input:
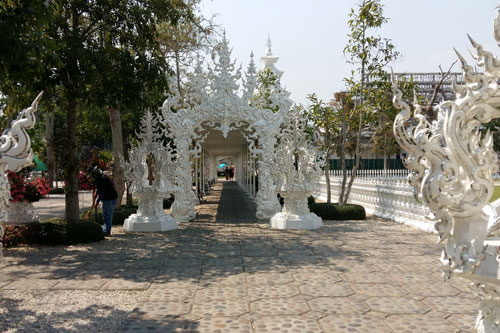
(22, 189)
(85, 183)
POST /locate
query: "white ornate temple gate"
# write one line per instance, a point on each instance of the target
(213, 107)
(266, 139)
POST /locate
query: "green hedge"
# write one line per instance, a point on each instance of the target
(336, 212)
(167, 203)
(52, 232)
(83, 232)
(56, 190)
(119, 215)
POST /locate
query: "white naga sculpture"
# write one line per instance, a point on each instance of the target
(151, 172)
(451, 162)
(215, 102)
(300, 169)
(15, 153)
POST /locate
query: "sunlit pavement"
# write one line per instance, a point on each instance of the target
(223, 273)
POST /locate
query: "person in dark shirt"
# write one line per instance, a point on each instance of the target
(106, 194)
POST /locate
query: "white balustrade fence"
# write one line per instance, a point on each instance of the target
(383, 193)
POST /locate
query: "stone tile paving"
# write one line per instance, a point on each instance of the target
(222, 275)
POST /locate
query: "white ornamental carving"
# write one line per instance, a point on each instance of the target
(15, 153)
(300, 170)
(215, 101)
(21, 212)
(150, 172)
(451, 162)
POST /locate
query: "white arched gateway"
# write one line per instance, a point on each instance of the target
(217, 103)
(215, 118)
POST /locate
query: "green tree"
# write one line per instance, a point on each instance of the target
(370, 53)
(182, 42)
(83, 52)
(324, 117)
(268, 84)
(383, 113)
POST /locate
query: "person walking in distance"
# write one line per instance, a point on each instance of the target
(106, 194)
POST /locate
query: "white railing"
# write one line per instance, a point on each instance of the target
(383, 193)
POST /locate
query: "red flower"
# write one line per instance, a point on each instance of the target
(23, 190)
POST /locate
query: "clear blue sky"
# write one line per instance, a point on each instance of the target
(309, 36)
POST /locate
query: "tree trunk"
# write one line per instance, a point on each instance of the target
(342, 157)
(129, 201)
(49, 141)
(72, 205)
(178, 71)
(327, 178)
(358, 135)
(327, 165)
(385, 153)
(116, 134)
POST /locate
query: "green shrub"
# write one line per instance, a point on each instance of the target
(52, 232)
(167, 203)
(14, 235)
(336, 212)
(311, 200)
(119, 215)
(83, 232)
(58, 190)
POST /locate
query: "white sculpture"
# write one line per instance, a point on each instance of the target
(151, 172)
(217, 104)
(300, 169)
(451, 163)
(15, 153)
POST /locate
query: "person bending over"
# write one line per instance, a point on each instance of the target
(106, 194)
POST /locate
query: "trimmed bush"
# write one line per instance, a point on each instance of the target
(123, 213)
(336, 212)
(52, 232)
(167, 203)
(119, 215)
(58, 190)
(14, 235)
(83, 232)
(311, 200)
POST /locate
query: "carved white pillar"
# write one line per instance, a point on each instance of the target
(15, 153)
(451, 163)
(267, 200)
(185, 199)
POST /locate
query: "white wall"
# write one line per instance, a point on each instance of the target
(387, 195)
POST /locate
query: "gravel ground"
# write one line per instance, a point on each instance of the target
(65, 310)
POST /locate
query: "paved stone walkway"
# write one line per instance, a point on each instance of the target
(234, 205)
(211, 276)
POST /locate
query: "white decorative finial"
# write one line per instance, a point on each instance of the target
(269, 52)
(251, 54)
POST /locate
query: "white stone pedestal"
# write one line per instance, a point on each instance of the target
(292, 221)
(295, 214)
(21, 212)
(150, 216)
(141, 223)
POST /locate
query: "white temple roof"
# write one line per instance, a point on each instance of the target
(269, 60)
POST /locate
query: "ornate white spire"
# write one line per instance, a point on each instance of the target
(250, 82)
(269, 44)
(149, 132)
(224, 81)
(269, 60)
